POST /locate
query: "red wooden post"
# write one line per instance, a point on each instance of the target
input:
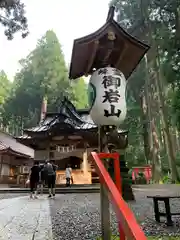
(133, 175)
(146, 173)
(118, 181)
(124, 214)
(117, 172)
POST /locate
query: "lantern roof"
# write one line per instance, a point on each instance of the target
(111, 46)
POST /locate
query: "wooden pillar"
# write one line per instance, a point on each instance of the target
(1, 165)
(18, 179)
(127, 191)
(48, 152)
(85, 162)
(105, 208)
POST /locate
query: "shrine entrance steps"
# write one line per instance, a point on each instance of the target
(92, 188)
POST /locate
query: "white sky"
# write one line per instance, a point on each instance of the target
(69, 19)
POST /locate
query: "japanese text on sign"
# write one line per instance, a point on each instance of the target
(111, 94)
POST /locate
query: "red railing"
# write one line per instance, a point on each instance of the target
(128, 225)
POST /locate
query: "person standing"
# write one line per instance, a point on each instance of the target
(41, 178)
(51, 176)
(34, 179)
(68, 175)
(45, 173)
(55, 167)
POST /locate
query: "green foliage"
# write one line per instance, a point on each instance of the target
(135, 152)
(176, 107)
(43, 73)
(5, 87)
(13, 18)
(166, 179)
(80, 94)
(158, 25)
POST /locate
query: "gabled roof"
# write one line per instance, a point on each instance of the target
(67, 120)
(9, 144)
(3, 147)
(95, 50)
(67, 116)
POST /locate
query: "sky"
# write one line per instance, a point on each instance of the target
(69, 19)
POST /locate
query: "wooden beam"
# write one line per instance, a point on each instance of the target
(109, 46)
(106, 57)
(121, 55)
(110, 15)
(115, 49)
(91, 59)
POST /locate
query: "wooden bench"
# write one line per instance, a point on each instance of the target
(168, 213)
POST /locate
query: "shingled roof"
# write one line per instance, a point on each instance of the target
(66, 116)
(9, 144)
(68, 120)
(110, 45)
(3, 146)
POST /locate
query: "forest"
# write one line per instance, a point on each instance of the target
(153, 118)
(43, 74)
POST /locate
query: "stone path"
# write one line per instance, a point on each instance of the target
(25, 219)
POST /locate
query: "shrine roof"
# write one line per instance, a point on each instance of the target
(47, 124)
(9, 145)
(97, 50)
(67, 116)
(3, 147)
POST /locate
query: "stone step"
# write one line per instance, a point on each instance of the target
(58, 186)
(60, 190)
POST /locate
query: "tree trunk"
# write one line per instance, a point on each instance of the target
(153, 54)
(145, 129)
(174, 139)
(178, 139)
(163, 112)
(148, 102)
(157, 172)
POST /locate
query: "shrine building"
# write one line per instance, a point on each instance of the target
(68, 137)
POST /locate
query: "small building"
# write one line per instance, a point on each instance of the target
(15, 160)
(68, 137)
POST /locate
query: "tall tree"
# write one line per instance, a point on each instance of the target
(13, 18)
(43, 73)
(5, 86)
(80, 94)
(158, 21)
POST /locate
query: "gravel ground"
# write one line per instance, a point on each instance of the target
(144, 212)
(11, 195)
(77, 216)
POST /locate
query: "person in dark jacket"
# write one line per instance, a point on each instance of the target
(34, 179)
(42, 178)
(45, 174)
(51, 175)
